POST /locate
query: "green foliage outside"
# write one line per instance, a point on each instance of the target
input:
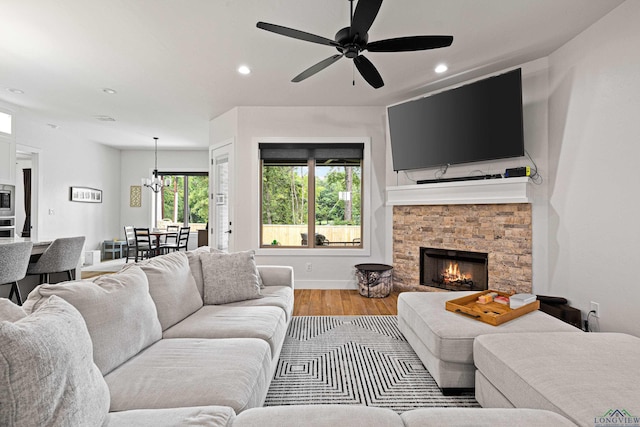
(285, 195)
(198, 199)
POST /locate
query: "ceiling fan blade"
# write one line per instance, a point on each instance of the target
(368, 71)
(296, 34)
(408, 44)
(315, 68)
(363, 17)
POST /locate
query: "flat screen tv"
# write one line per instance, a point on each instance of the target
(476, 122)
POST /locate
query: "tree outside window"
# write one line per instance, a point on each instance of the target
(186, 190)
(311, 190)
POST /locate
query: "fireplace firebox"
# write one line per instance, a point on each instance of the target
(454, 270)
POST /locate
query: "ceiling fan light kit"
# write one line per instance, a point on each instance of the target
(351, 41)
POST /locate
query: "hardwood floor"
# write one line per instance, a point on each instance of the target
(336, 302)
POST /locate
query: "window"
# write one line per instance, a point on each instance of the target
(185, 202)
(311, 190)
(5, 123)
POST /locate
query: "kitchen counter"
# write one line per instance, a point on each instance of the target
(38, 247)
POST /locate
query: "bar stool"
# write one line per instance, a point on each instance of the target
(63, 255)
(14, 259)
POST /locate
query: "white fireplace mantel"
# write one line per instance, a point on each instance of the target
(486, 191)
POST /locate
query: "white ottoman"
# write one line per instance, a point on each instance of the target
(444, 340)
(591, 379)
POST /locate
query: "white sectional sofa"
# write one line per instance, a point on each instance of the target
(591, 379)
(157, 345)
(444, 340)
(533, 362)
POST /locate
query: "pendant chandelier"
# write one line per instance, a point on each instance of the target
(155, 183)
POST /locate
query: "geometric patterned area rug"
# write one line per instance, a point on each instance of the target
(357, 360)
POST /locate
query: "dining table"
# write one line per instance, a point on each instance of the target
(158, 234)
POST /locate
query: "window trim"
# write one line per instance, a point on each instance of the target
(367, 164)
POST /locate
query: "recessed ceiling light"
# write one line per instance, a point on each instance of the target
(109, 91)
(16, 91)
(441, 68)
(243, 69)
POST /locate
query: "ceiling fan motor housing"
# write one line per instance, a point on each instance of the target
(350, 45)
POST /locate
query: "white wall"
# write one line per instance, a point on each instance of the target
(66, 160)
(244, 124)
(593, 149)
(534, 93)
(137, 164)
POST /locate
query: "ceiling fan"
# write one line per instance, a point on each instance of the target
(351, 41)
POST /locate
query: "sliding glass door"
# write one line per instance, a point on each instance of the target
(185, 202)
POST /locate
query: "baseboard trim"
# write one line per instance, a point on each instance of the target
(326, 284)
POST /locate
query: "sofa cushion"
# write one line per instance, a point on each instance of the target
(230, 277)
(275, 296)
(47, 374)
(483, 417)
(184, 372)
(449, 336)
(221, 321)
(580, 376)
(118, 310)
(318, 416)
(172, 287)
(206, 416)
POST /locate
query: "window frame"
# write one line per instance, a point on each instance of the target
(366, 165)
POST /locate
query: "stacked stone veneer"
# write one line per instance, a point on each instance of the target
(502, 230)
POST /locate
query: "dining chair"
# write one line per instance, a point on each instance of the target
(172, 234)
(62, 256)
(181, 242)
(144, 246)
(14, 258)
(131, 242)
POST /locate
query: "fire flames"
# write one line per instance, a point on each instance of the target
(452, 274)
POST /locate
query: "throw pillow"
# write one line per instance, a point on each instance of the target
(230, 277)
(118, 310)
(172, 287)
(196, 265)
(10, 311)
(47, 374)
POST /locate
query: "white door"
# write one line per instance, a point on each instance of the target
(220, 206)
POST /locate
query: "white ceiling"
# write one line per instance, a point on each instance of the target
(173, 62)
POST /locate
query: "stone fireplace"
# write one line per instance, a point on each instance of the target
(502, 231)
(453, 270)
(492, 217)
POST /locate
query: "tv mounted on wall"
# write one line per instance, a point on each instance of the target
(476, 122)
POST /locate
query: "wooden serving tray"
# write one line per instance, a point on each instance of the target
(492, 313)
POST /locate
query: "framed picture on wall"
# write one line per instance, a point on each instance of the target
(135, 196)
(86, 195)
